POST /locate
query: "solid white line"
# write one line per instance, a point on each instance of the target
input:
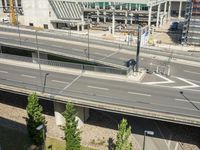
(99, 88)
(100, 54)
(192, 85)
(121, 58)
(57, 81)
(183, 100)
(3, 71)
(191, 72)
(110, 55)
(28, 76)
(160, 82)
(141, 94)
(58, 46)
(70, 83)
(193, 80)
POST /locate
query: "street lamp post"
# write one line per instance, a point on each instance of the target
(39, 128)
(88, 36)
(45, 80)
(146, 132)
(88, 41)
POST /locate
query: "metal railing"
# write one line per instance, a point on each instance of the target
(84, 67)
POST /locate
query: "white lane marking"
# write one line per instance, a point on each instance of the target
(57, 81)
(28, 76)
(110, 55)
(193, 80)
(71, 83)
(191, 85)
(177, 145)
(100, 54)
(99, 88)
(160, 82)
(183, 100)
(141, 94)
(59, 46)
(160, 131)
(1, 71)
(121, 58)
(191, 72)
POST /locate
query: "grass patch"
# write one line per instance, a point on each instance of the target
(54, 144)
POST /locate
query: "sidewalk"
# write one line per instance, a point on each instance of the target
(134, 77)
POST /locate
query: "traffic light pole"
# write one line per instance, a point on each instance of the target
(138, 47)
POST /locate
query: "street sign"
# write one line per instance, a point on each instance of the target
(144, 35)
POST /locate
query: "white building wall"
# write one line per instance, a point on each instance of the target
(37, 12)
(1, 5)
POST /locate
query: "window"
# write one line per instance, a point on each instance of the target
(31, 24)
(45, 26)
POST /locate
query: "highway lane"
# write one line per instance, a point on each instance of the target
(80, 37)
(118, 57)
(148, 97)
(76, 45)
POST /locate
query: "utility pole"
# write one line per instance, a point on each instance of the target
(88, 41)
(138, 47)
(12, 12)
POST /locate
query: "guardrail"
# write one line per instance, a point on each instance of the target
(85, 67)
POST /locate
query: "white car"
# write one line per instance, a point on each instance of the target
(4, 20)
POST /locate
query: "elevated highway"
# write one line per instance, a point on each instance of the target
(138, 99)
(76, 46)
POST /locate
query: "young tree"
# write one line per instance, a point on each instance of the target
(35, 119)
(72, 133)
(123, 134)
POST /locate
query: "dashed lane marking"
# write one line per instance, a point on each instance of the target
(183, 100)
(57, 81)
(28, 76)
(99, 88)
(1, 71)
(140, 94)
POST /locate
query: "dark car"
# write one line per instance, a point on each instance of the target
(174, 26)
(130, 63)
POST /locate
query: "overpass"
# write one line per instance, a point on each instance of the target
(75, 46)
(133, 98)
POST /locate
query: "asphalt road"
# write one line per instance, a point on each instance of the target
(73, 48)
(117, 57)
(148, 97)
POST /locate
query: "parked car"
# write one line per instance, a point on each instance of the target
(130, 63)
(174, 26)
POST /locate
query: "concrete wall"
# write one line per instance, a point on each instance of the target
(82, 114)
(37, 12)
(1, 9)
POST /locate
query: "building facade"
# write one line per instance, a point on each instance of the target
(53, 14)
(191, 31)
